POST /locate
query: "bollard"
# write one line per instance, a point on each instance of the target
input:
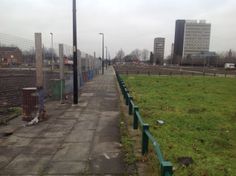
(144, 139)
(130, 105)
(166, 167)
(135, 121)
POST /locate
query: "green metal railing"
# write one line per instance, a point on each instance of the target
(166, 166)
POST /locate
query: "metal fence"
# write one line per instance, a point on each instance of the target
(18, 69)
(166, 166)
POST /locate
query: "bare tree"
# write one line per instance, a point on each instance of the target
(137, 53)
(120, 55)
(145, 54)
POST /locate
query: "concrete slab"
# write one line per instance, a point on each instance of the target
(108, 128)
(111, 94)
(41, 149)
(73, 152)
(8, 153)
(80, 136)
(81, 139)
(70, 115)
(16, 141)
(26, 164)
(82, 104)
(108, 163)
(85, 125)
(64, 122)
(103, 147)
(59, 129)
(31, 131)
(110, 114)
(90, 117)
(87, 94)
(46, 141)
(66, 168)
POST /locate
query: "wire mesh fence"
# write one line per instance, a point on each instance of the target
(18, 69)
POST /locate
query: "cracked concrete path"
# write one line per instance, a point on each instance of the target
(76, 140)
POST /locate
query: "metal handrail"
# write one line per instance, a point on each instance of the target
(166, 166)
(155, 145)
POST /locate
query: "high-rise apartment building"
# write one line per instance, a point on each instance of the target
(191, 37)
(158, 50)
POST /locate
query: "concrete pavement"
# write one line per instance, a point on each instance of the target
(76, 140)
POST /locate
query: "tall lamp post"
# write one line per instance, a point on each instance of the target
(106, 57)
(102, 52)
(75, 71)
(52, 60)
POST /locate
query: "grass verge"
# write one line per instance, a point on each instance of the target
(199, 116)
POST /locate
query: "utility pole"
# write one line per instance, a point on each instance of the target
(102, 52)
(109, 58)
(39, 59)
(106, 57)
(39, 74)
(52, 60)
(75, 71)
(61, 56)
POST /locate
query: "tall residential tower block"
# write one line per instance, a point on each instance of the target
(158, 50)
(191, 37)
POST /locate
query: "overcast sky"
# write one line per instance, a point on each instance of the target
(127, 24)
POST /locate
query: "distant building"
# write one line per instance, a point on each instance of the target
(10, 55)
(172, 51)
(191, 38)
(158, 50)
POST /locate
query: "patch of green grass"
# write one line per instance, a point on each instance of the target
(15, 110)
(127, 142)
(199, 115)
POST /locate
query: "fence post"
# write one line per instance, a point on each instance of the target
(135, 121)
(127, 100)
(121, 83)
(124, 90)
(144, 139)
(124, 87)
(126, 93)
(130, 105)
(166, 167)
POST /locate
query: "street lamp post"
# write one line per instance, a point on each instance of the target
(109, 58)
(52, 60)
(102, 52)
(106, 57)
(75, 71)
